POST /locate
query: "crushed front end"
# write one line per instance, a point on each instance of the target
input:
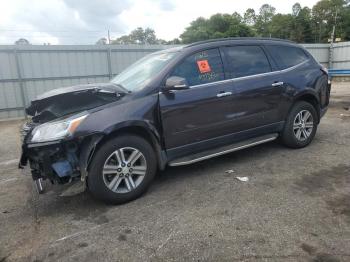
(51, 146)
(54, 160)
(61, 161)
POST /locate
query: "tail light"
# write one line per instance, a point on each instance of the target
(325, 70)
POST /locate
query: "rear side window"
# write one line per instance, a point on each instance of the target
(287, 56)
(246, 61)
(201, 68)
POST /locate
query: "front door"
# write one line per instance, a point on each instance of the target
(201, 112)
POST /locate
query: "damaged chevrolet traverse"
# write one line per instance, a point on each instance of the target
(174, 107)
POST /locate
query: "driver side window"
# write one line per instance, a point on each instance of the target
(201, 68)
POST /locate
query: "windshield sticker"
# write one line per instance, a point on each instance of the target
(203, 66)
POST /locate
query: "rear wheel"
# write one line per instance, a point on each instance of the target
(122, 169)
(301, 125)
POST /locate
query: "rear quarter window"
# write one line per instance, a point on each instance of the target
(287, 56)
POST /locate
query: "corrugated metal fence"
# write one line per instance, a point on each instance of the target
(320, 52)
(27, 71)
(341, 56)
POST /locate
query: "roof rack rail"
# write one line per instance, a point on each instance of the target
(238, 38)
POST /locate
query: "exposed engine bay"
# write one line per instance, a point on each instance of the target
(69, 100)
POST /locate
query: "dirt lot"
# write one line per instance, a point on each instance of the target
(295, 207)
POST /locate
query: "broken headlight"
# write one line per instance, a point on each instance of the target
(57, 129)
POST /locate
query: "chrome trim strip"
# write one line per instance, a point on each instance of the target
(213, 83)
(248, 77)
(223, 152)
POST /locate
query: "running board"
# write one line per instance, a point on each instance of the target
(222, 150)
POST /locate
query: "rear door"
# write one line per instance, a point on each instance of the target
(297, 71)
(257, 89)
(203, 111)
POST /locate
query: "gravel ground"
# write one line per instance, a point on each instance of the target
(295, 207)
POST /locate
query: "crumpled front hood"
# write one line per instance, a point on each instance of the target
(68, 100)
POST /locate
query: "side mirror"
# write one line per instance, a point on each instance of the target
(176, 83)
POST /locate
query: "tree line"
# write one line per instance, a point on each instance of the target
(302, 25)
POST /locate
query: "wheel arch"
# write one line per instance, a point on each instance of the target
(138, 128)
(310, 97)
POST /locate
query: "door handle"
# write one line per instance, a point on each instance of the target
(224, 94)
(278, 84)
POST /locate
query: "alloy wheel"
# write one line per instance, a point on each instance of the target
(303, 125)
(124, 170)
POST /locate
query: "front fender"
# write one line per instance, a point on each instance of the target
(142, 112)
(144, 125)
(138, 113)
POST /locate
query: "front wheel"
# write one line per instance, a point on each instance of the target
(122, 169)
(301, 125)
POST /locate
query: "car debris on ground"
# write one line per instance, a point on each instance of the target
(242, 178)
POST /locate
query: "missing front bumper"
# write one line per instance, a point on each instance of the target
(60, 162)
(57, 162)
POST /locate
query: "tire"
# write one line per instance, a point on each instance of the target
(296, 120)
(113, 179)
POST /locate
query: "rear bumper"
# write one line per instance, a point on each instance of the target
(323, 111)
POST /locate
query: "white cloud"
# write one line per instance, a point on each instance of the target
(170, 24)
(67, 21)
(85, 21)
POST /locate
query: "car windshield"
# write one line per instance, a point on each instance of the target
(139, 74)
